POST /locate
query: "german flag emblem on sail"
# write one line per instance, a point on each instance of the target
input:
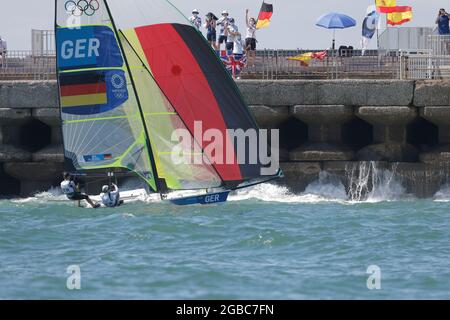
(264, 16)
(83, 90)
(92, 92)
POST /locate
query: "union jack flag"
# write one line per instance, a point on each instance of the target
(234, 63)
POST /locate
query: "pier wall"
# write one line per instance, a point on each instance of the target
(325, 126)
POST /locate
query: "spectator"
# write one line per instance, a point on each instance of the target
(238, 47)
(3, 50)
(223, 23)
(195, 19)
(232, 31)
(210, 26)
(250, 40)
(443, 22)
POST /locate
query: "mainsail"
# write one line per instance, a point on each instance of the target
(128, 82)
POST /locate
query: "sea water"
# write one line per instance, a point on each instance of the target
(265, 243)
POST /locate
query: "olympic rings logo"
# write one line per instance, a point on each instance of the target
(117, 81)
(80, 7)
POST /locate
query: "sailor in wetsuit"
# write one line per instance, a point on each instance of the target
(71, 190)
(110, 196)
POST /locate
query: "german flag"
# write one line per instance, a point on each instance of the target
(264, 16)
(83, 89)
(400, 16)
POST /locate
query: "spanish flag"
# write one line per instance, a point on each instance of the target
(386, 6)
(306, 58)
(400, 16)
(264, 16)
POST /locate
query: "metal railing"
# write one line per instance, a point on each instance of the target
(425, 66)
(439, 44)
(274, 64)
(24, 65)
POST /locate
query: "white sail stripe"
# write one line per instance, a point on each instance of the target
(118, 144)
(114, 131)
(92, 138)
(82, 142)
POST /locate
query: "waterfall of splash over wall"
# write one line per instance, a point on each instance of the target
(368, 182)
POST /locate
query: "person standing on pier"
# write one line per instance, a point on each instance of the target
(72, 191)
(195, 19)
(442, 21)
(250, 39)
(232, 31)
(3, 50)
(223, 24)
(210, 26)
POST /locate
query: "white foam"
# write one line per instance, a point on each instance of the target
(315, 193)
(51, 195)
(443, 195)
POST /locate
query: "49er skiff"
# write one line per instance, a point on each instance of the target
(128, 83)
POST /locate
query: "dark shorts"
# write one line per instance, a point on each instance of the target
(222, 39)
(211, 36)
(78, 197)
(230, 46)
(250, 44)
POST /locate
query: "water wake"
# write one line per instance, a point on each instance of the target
(365, 182)
(323, 190)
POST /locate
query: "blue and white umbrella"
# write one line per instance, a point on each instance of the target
(335, 21)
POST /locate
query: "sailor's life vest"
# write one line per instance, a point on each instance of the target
(68, 187)
(111, 199)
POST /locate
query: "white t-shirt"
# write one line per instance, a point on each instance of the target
(196, 21)
(251, 32)
(238, 47)
(68, 187)
(223, 22)
(111, 199)
(231, 28)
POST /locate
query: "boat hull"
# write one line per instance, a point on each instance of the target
(206, 199)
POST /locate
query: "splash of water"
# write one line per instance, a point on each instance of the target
(367, 182)
(443, 195)
(323, 190)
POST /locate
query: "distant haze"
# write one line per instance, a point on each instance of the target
(293, 23)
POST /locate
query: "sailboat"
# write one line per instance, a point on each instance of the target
(130, 74)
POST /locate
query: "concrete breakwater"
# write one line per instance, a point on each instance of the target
(325, 126)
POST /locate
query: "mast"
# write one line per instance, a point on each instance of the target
(159, 187)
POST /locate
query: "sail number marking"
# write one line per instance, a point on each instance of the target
(212, 198)
(80, 49)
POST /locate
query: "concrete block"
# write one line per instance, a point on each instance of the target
(321, 152)
(10, 153)
(393, 115)
(323, 114)
(432, 93)
(10, 116)
(334, 92)
(270, 117)
(28, 94)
